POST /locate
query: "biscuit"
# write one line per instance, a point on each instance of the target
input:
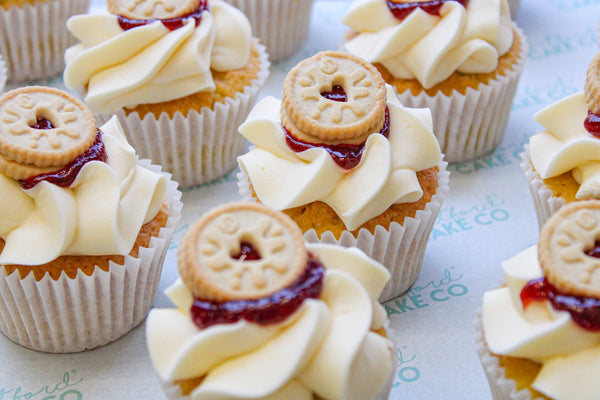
(151, 9)
(305, 109)
(213, 264)
(565, 246)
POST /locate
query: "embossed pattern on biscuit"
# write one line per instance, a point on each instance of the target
(42, 128)
(147, 9)
(566, 246)
(241, 251)
(304, 107)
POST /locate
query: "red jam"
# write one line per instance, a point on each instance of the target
(169, 23)
(402, 10)
(347, 156)
(592, 124)
(247, 252)
(585, 311)
(337, 94)
(66, 176)
(267, 310)
(42, 123)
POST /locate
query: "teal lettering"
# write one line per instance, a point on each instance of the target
(463, 168)
(434, 235)
(408, 374)
(500, 215)
(480, 221)
(457, 290)
(449, 228)
(75, 395)
(464, 225)
(403, 306)
(417, 300)
(434, 295)
(390, 310)
(502, 159)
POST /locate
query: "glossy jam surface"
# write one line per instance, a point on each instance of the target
(66, 176)
(585, 311)
(347, 156)
(42, 123)
(170, 23)
(247, 252)
(267, 310)
(337, 94)
(402, 10)
(592, 124)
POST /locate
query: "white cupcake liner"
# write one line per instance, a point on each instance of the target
(281, 25)
(198, 148)
(544, 201)
(400, 249)
(471, 125)
(70, 315)
(501, 387)
(514, 7)
(34, 37)
(3, 74)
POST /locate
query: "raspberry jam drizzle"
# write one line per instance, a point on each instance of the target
(66, 176)
(592, 124)
(347, 156)
(267, 310)
(433, 7)
(585, 311)
(169, 23)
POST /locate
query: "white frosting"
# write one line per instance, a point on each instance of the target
(567, 146)
(570, 354)
(387, 173)
(427, 47)
(101, 213)
(325, 348)
(150, 63)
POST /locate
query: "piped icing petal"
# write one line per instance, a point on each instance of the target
(117, 68)
(75, 220)
(385, 175)
(430, 47)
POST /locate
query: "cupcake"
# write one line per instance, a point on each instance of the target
(462, 60)
(539, 336)
(84, 225)
(262, 315)
(282, 25)
(34, 36)
(2, 73)
(348, 163)
(514, 7)
(561, 163)
(180, 76)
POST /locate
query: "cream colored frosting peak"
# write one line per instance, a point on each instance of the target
(570, 354)
(101, 213)
(325, 348)
(117, 68)
(567, 146)
(428, 47)
(386, 174)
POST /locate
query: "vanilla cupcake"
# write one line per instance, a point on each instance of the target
(463, 60)
(2, 74)
(34, 36)
(282, 25)
(261, 315)
(348, 162)
(562, 162)
(538, 337)
(84, 225)
(180, 76)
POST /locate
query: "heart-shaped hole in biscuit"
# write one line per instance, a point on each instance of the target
(248, 252)
(593, 251)
(42, 123)
(336, 93)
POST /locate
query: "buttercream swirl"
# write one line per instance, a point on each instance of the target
(428, 47)
(101, 213)
(567, 146)
(386, 174)
(326, 348)
(118, 68)
(570, 354)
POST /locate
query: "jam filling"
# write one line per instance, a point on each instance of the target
(402, 10)
(169, 23)
(585, 311)
(337, 94)
(592, 124)
(42, 123)
(347, 156)
(66, 176)
(247, 252)
(267, 310)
